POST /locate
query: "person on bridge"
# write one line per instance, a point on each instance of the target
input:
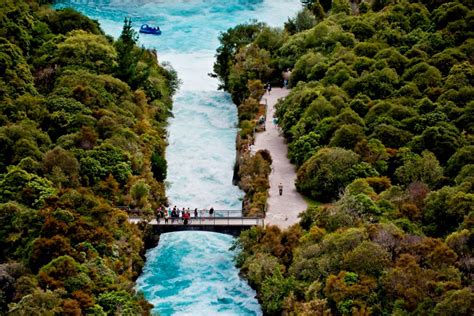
(157, 215)
(186, 216)
(211, 211)
(174, 215)
(166, 217)
(195, 212)
(280, 188)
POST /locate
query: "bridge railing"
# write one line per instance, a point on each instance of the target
(208, 220)
(201, 212)
(218, 217)
(202, 221)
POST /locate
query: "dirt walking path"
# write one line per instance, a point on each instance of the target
(282, 210)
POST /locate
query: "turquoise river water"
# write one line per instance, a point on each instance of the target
(193, 273)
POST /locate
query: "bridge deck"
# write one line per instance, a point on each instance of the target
(205, 221)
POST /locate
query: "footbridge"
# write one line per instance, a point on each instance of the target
(229, 222)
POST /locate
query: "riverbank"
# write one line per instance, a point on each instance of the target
(252, 169)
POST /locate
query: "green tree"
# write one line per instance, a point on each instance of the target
(347, 136)
(39, 303)
(16, 78)
(86, 50)
(302, 148)
(62, 167)
(328, 171)
(391, 136)
(442, 140)
(158, 166)
(64, 272)
(140, 192)
(340, 6)
(445, 210)
(424, 168)
(119, 302)
(462, 157)
(456, 302)
(66, 20)
(260, 267)
(304, 20)
(26, 188)
(251, 62)
(127, 56)
(367, 258)
(231, 42)
(274, 290)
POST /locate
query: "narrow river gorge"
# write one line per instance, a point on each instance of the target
(193, 273)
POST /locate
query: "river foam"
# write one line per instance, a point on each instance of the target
(193, 273)
(204, 283)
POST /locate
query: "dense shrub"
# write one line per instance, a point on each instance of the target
(328, 171)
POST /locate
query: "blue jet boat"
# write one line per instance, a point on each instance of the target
(146, 29)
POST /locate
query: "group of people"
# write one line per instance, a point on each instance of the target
(268, 87)
(184, 215)
(286, 79)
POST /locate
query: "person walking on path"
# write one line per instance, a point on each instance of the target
(268, 87)
(280, 188)
(286, 77)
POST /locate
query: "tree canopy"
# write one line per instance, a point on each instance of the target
(81, 134)
(379, 126)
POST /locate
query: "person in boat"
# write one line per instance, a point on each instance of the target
(148, 28)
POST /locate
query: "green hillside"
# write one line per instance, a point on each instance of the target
(82, 131)
(380, 125)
